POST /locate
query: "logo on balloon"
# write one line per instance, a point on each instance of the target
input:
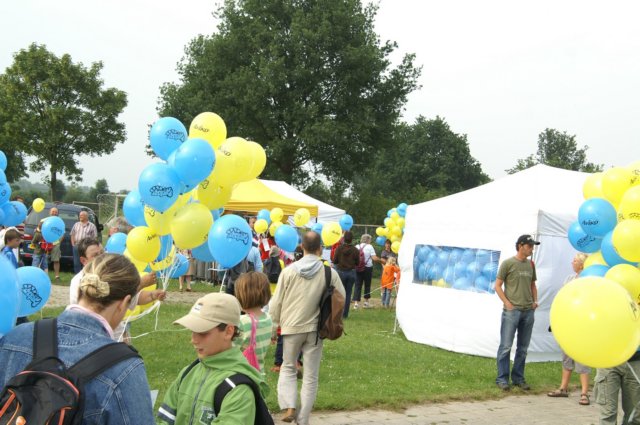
(589, 222)
(56, 231)
(634, 310)
(160, 191)
(239, 235)
(585, 241)
(201, 128)
(150, 211)
(174, 135)
(31, 294)
(204, 183)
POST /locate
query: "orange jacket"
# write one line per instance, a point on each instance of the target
(386, 281)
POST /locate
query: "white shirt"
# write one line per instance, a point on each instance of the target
(74, 288)
(369, 252)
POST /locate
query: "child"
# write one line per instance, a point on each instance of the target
(11, 241)
(187, 276)
(389, 279)
(253, 293)
(40, 249)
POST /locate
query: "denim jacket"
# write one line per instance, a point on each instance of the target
(120, 395)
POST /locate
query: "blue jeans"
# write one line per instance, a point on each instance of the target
(386, 297)
(512, 321)
(40, 261)
(348, 278)
(77, 266)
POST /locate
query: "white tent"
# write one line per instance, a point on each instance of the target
(326, 212)
(542, 201)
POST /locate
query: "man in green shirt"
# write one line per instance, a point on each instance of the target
(520, 298)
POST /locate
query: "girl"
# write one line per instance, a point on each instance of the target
(389, 279)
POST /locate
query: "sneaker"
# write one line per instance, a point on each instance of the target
(366, 304)
(523, 386)
(355, 306)
(503, 386)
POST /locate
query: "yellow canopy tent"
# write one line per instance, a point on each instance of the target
(252, 196)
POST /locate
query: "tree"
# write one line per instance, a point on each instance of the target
(101, 187)
(308, 80)
(55, 110)
(559, 150)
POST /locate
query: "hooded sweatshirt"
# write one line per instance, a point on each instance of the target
(191, 401)
(295, 306)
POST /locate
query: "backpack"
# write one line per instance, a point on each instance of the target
(334, 248)
(330, 324)
(46, 392)
(250, 352)
(272, 268)
(263, 417)
(361, 260)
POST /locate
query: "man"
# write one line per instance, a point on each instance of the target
(213, 322)
(82, 229)
(295, 307)
(520, 298)
(56, 253)
(621, 379)
(345, 260)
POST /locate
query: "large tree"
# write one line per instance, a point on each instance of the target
(55, 110)
(557, 150)
(307, 79)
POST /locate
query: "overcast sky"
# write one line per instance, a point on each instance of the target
(498, 71)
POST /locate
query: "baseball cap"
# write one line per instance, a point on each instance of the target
(526, 240)
(211, 311)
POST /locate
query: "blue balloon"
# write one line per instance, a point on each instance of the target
(582, 241)
(443, 259)
(5, 193)
(423, 253)
(52, 229)
(597, 217)
(133, 209)
(416, 268)
(449, 275)
(402, 209)
(380, 240)
(473, 270)
(202, 253)
(3, 177)
(1, 216)
(166, 244)
(286, 238)
(610, 254)
(482, 284)
(317, 227)
(216, 214)
(432, 258)
(490, 271)
(455, 256)
(264, 214)
(159, 186)
(166, 135)
(468, 255)
(346, 222)
(15, 212)
(9, 295)
(194, 161)
(116, 244)
(460, 269)
(483, 257)
(180, 266)
(230, 240)
(595, 270)
(35, 288)
(3, 161)
(462, 283)
(422, 272)
(435, 272)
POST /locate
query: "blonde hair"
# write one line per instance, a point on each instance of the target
(392, 261)
(252, 290)
(108, 278)
(581, 256)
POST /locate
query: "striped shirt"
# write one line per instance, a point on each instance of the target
(80, 231)
(263, 336)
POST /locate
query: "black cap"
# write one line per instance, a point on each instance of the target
(526, 240)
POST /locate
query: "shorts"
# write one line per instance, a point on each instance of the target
(569, 364)
(55, 254)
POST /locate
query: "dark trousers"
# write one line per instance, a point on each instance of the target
(363, 276)
(77, 265)
(348, 278)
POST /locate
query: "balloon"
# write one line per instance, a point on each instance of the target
(449, 275)
(5, 193)
(160, 222)
(237, 148)
(213, 195)
(380, 231)
(630, 204)
(166, 135)
(179, 267)
(38, 204)
(317, 227)
(133, 209)
(490, 271)
(165, 259)
(395, 247)
(9, 295)
(482, 284)
(35, 289)
(256, 151)
(581, 241)
(626, 240)
(473, 270)
(276, 214)
(274, 227)
(595, 322)
(190, 227)
(595, 270)
(202, 253)
(159, 186)
(331, 233)
(143, 244)
(230, 240)
(3, 161)
(301, 217)
(286, 238)
(260, 226)
(435, 272)
(117, 243)
(402, 209)
(462, 283)
(468, 255)
(615, 182)
(166, 247)
(610, 253)
(3, 177)
(225, 172)
(400, 222)
(597, 217)
(346, 222)
(139, 265)
(592, 187)
(595, 258)
(264, 214)
(423, 253)
(380, 240)
(194, 161)
(210, 127)
(52, 229)
(628, 276)
(423, 271)
(15, 212)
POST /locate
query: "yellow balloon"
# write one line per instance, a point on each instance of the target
(395, 231)
(395, 215)
(276, 214)
(212, 195)
(615, 182)
(260, 226)
(238, 149)
(380, 231)
(143, 244)
(38, 204)
(628, 276)
(625, 238)
(210, 127)
(634, 169)
(259, 159)
(131, 314)
(400, 222)
(630, 204)
(225, 171)
(139, 265)
(395, 246)
(331, 233)
(274, 226)
(165, 262)
(596, 322)
(592, 187)
(301, 217)
(394, 238)
(190, 227)
(160, 222)
(595, 258)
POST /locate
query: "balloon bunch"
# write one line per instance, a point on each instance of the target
(12, 213)
(595, 318)
(393, 227)
(331, 232)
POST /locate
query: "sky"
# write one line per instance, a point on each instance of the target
(498, 71)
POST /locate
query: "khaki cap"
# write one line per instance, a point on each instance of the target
(211, 311)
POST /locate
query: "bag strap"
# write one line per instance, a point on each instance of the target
(230, 383)
(187, 370)
(45, 339)
(100, 360)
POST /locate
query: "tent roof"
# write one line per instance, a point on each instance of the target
(254, 195)
(326, 212)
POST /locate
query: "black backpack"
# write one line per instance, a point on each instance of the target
(330, 325)
(263, 417)
(272, 269)
(46, 392)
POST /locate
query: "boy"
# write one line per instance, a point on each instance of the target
(11, 241)
(213, 321)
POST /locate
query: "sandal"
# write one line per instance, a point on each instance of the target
(584, 400)
(559, 393)
(188, 289)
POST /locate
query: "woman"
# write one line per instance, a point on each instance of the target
(568, 364)
(120, 394)
(387, 252)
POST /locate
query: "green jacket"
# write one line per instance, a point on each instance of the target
(191, 401)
